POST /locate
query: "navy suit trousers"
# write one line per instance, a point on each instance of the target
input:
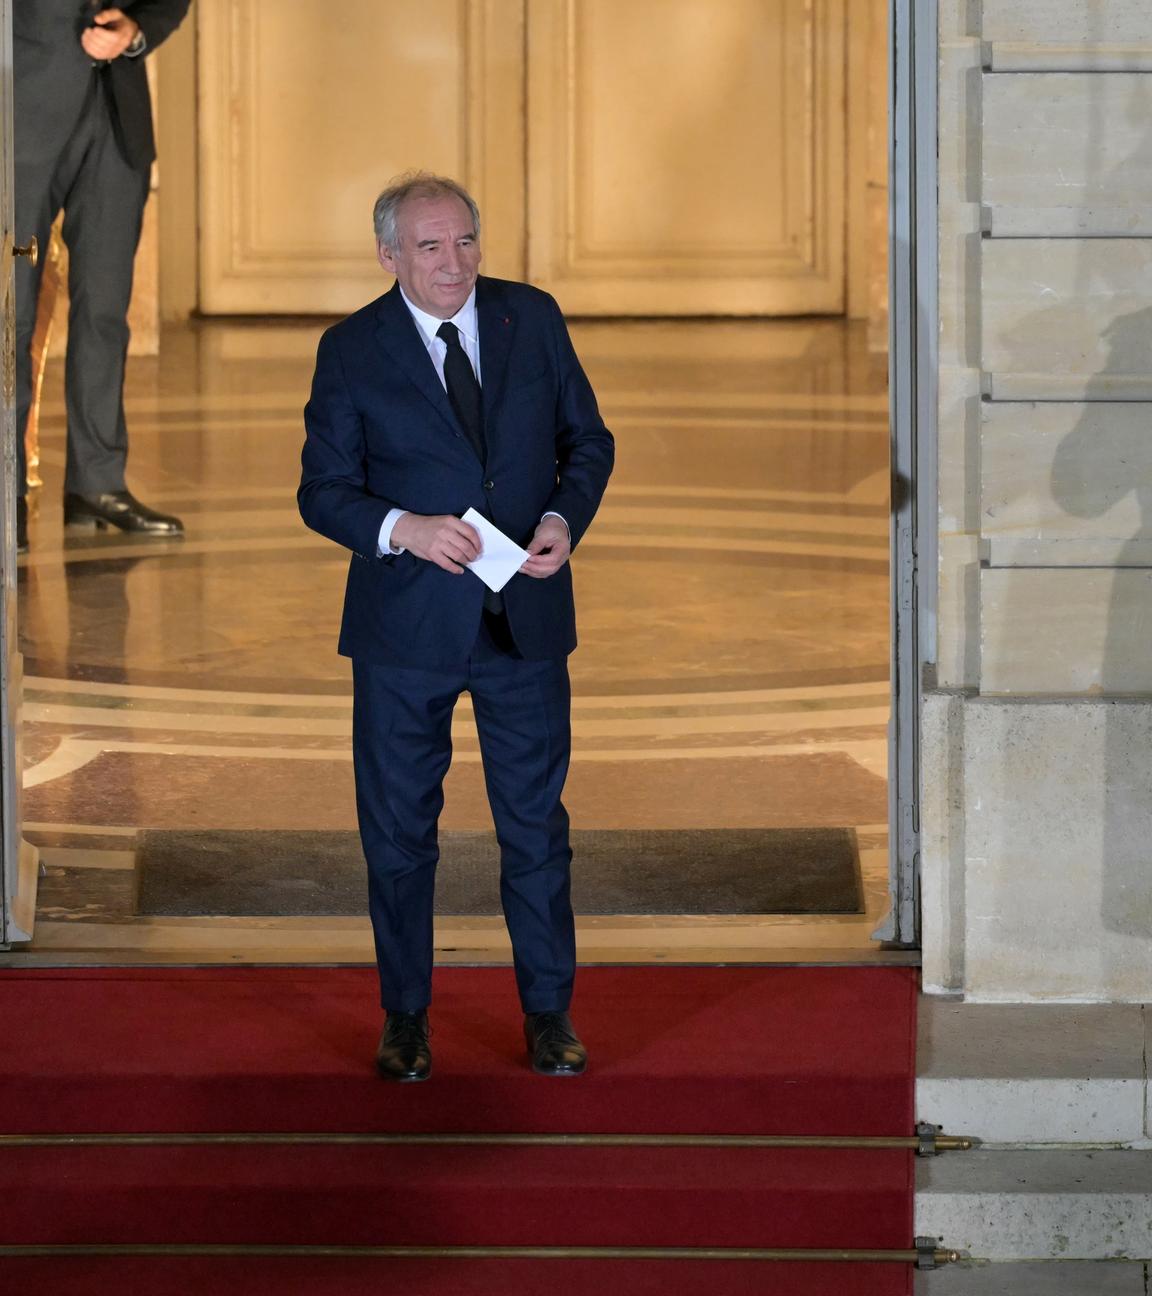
(402, 747)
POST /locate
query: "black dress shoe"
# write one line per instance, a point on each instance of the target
(119, 509)
(553, 1045)
(404, 1053)
(21, 524)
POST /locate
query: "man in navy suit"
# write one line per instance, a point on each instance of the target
(454, 391)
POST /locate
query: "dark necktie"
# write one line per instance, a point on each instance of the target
(464, 395)
(463, 389)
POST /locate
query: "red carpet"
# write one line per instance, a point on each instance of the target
(674, 1050)
(717, 1050)
(262, 1276)
(454, 1196)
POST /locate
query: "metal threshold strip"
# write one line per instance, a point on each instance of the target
(925, 1255)
(925, 1143)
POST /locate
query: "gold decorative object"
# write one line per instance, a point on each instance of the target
(50, 282)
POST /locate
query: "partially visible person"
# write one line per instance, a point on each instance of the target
(85, 146)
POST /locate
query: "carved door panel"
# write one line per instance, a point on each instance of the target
(687, 158)
(303, 119)
(662, 157)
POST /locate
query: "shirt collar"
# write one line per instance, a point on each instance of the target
(464, 319)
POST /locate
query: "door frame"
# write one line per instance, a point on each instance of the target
(913, 261)
(18, 860)
(913, 50)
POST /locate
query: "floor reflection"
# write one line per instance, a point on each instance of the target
(733, 609)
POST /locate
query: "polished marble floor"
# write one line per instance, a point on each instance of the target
(733, 606)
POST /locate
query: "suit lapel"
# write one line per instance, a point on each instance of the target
(397, 333)
(496, 325)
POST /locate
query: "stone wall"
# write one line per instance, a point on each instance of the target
(1037, 822)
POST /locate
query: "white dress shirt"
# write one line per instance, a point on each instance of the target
(467, 327)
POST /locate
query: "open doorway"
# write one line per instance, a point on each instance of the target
(187, 706)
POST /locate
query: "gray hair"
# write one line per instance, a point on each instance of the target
(415, 184)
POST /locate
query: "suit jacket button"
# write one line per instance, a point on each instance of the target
(489, 485)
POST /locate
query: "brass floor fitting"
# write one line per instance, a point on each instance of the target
(940, 1143)
(925, 1255)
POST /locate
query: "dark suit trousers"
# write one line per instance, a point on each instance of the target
(103, 202)
(401, 738)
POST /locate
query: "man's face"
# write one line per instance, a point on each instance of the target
(438, 256)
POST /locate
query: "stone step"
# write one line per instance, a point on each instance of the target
(1043, 1278)
(1034, 1073)
(1012, 1204)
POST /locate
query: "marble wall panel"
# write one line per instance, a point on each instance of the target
(958, 503)
(958, 489)
(1058, 861)
(942, 842)
(1067, 154)
(959, 374)
(1071, 22)
(958, 612)
(1066, 35)
(1067, 319)
(1070, 631)
(1066, 484)
(1035, 810)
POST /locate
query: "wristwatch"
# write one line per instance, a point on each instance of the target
(138, 43)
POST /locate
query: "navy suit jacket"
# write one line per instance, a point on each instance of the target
(381, 434)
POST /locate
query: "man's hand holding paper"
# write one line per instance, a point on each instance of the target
(443, 539)
(499, 558)
(549, 549)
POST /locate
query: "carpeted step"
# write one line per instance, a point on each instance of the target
(327, 1276)
(452, 1195)
(802, 1051)
(674, 1049)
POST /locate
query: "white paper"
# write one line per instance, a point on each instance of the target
(500, 558)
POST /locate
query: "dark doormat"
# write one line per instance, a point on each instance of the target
(624, 871)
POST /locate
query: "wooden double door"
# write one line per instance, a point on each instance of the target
(652, 157)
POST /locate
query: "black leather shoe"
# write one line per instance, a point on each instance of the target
(553, 1045)
(21, 524)
(119, 509)
(404, 1053)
